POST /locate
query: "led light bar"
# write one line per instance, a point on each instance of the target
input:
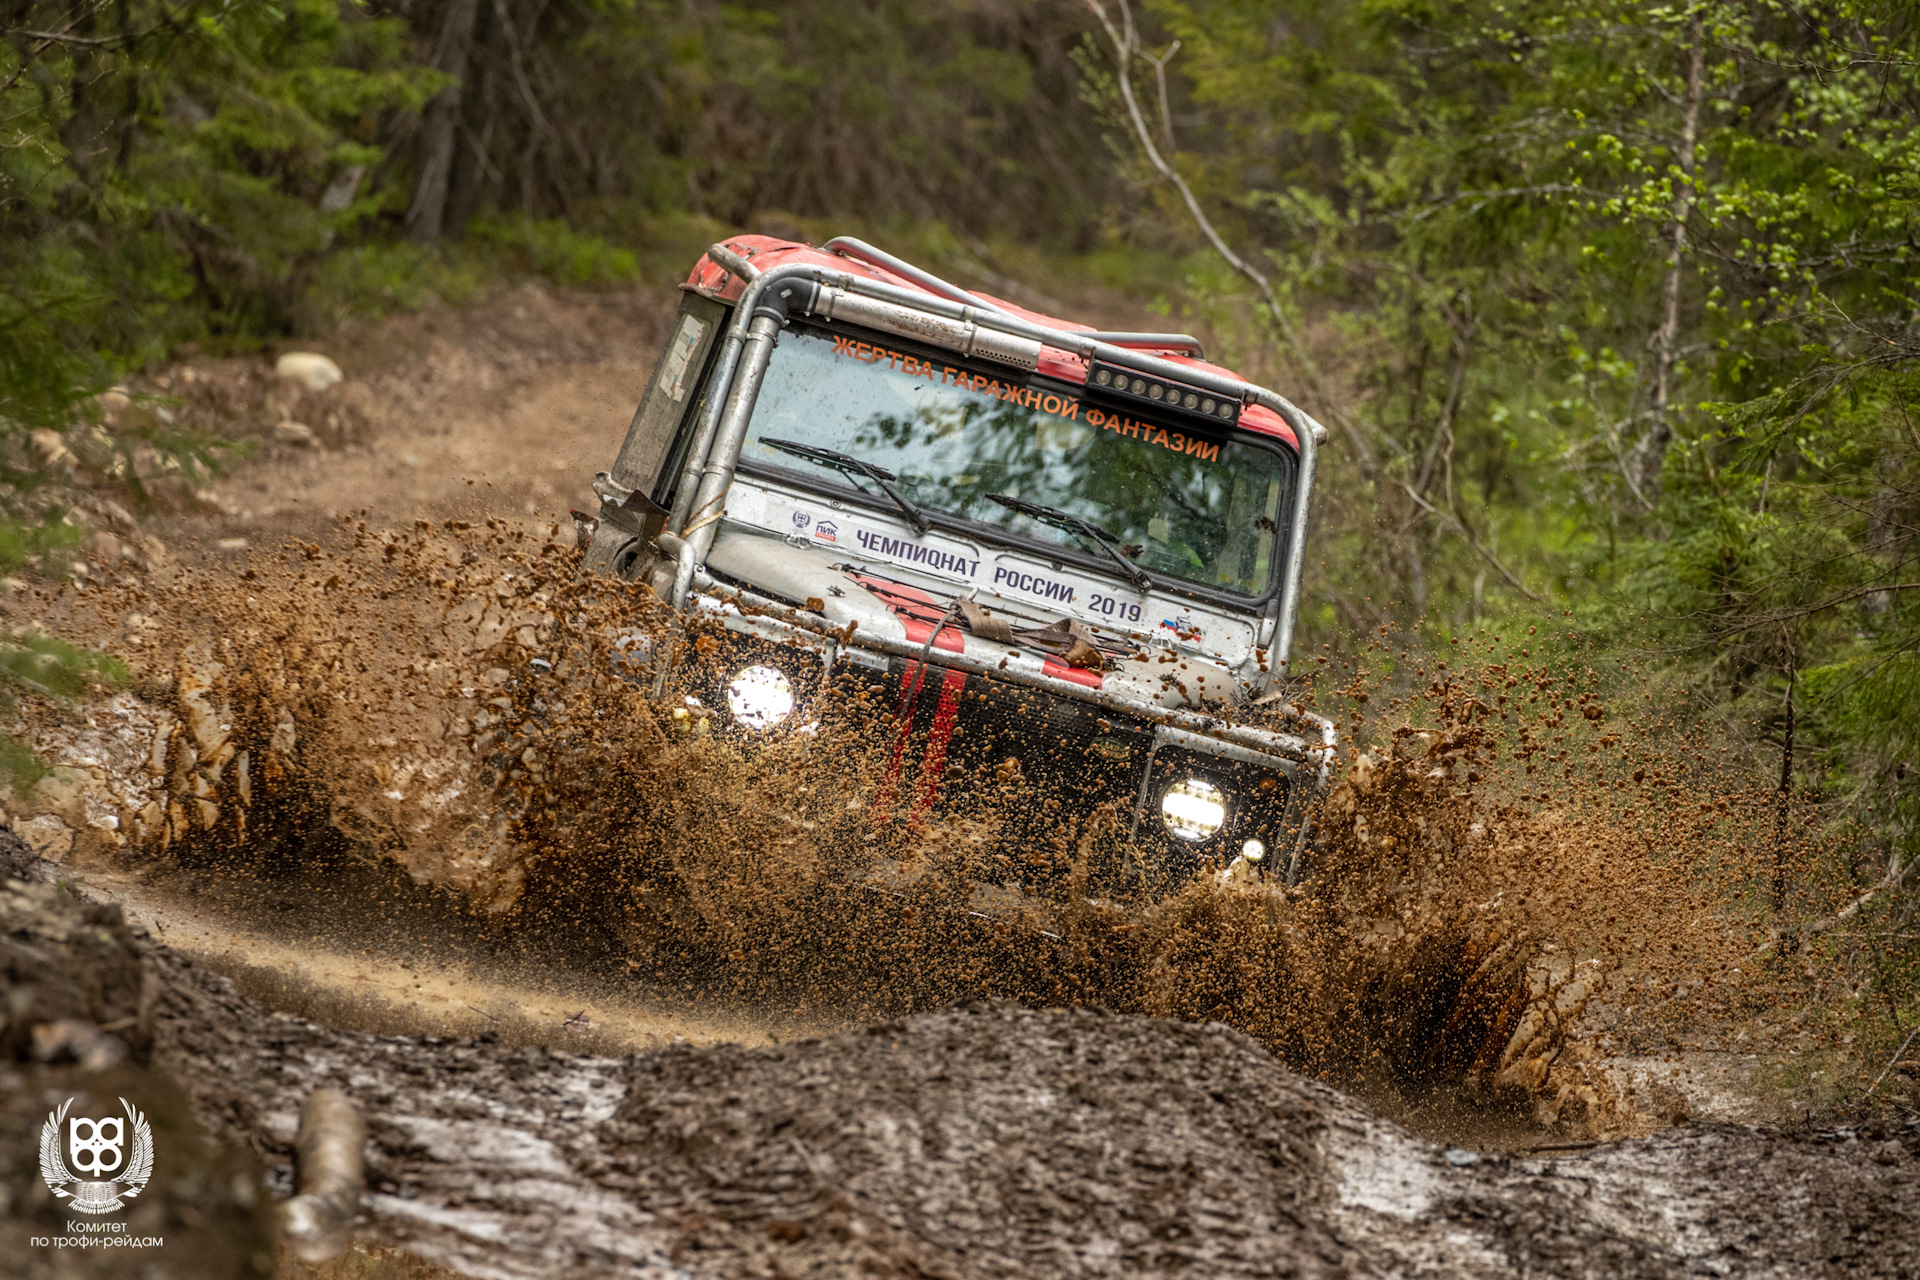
(1158, 393)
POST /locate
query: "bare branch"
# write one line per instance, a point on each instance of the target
(1125, 39)
(1892, 1063)
(46, 38)
(61, 37)
(1652, 450)
(1802, 611)
(1159, 66)
(1891, 881)
(1460, 527)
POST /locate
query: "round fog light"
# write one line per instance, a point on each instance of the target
(760, 697)
(1193, 809)
(1253, 851)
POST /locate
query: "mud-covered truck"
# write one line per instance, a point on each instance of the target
(1072, 556)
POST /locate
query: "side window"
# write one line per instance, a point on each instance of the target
(668, 478)
(657, 439)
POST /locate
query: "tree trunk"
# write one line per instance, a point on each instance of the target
(1653, 446)
(440, 125)
(1784, 817)
(479, 111)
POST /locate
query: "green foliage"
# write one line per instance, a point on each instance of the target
(167, 173)
(552, 249)
(1476, 208)
(868, 109)
(224, 174)
(166, 177)
(383, 277)
(1870, 701)
(19, 764)
(49, 666)
(24, 545)
(1609, 306)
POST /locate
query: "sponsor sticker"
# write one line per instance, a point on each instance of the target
(1185, 628)
(1061, 406)
(801, 519)
(826, 531)
(1064, 406)
(1147, 433)
(673, 370)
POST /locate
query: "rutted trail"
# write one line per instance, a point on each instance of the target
(445, 695)
(980, 1141)
(409, 971)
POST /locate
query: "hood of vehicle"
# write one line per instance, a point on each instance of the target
(853, 567)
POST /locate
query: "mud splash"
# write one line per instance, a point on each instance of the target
(1472, 937)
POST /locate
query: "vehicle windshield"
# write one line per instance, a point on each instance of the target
(1205, 510)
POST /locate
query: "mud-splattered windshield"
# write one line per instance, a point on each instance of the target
(1206, 510)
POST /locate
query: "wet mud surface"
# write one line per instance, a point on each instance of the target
(985, 1140)
(387, 812)
(360, 949)
(83, 1007)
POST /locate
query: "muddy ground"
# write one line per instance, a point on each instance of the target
(988, 1140)
(514, 1131)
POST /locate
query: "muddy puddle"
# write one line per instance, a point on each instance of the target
(411, 967)
(981, 1140)
(419, 780)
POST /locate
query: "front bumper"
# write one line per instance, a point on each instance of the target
(1052, 750)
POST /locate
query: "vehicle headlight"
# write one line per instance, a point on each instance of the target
(1194, 809)
(760, 697)
(1253, 851)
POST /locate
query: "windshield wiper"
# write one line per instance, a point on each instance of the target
(850, 465)
(1071, 523)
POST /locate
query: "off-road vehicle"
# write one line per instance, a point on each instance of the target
(1076, 551)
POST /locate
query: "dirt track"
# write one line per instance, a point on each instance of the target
(505, 410)
(984, 1141)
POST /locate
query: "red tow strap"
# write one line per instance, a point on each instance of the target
(908, 603)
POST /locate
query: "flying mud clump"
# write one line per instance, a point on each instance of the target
(455, 698)
(1464, 943)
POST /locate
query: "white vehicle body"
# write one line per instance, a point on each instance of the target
(821, 503)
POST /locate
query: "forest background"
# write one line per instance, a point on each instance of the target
(1610, 307)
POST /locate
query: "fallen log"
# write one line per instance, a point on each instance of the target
(318, 1222)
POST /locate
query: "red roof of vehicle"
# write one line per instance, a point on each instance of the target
(715, 281)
